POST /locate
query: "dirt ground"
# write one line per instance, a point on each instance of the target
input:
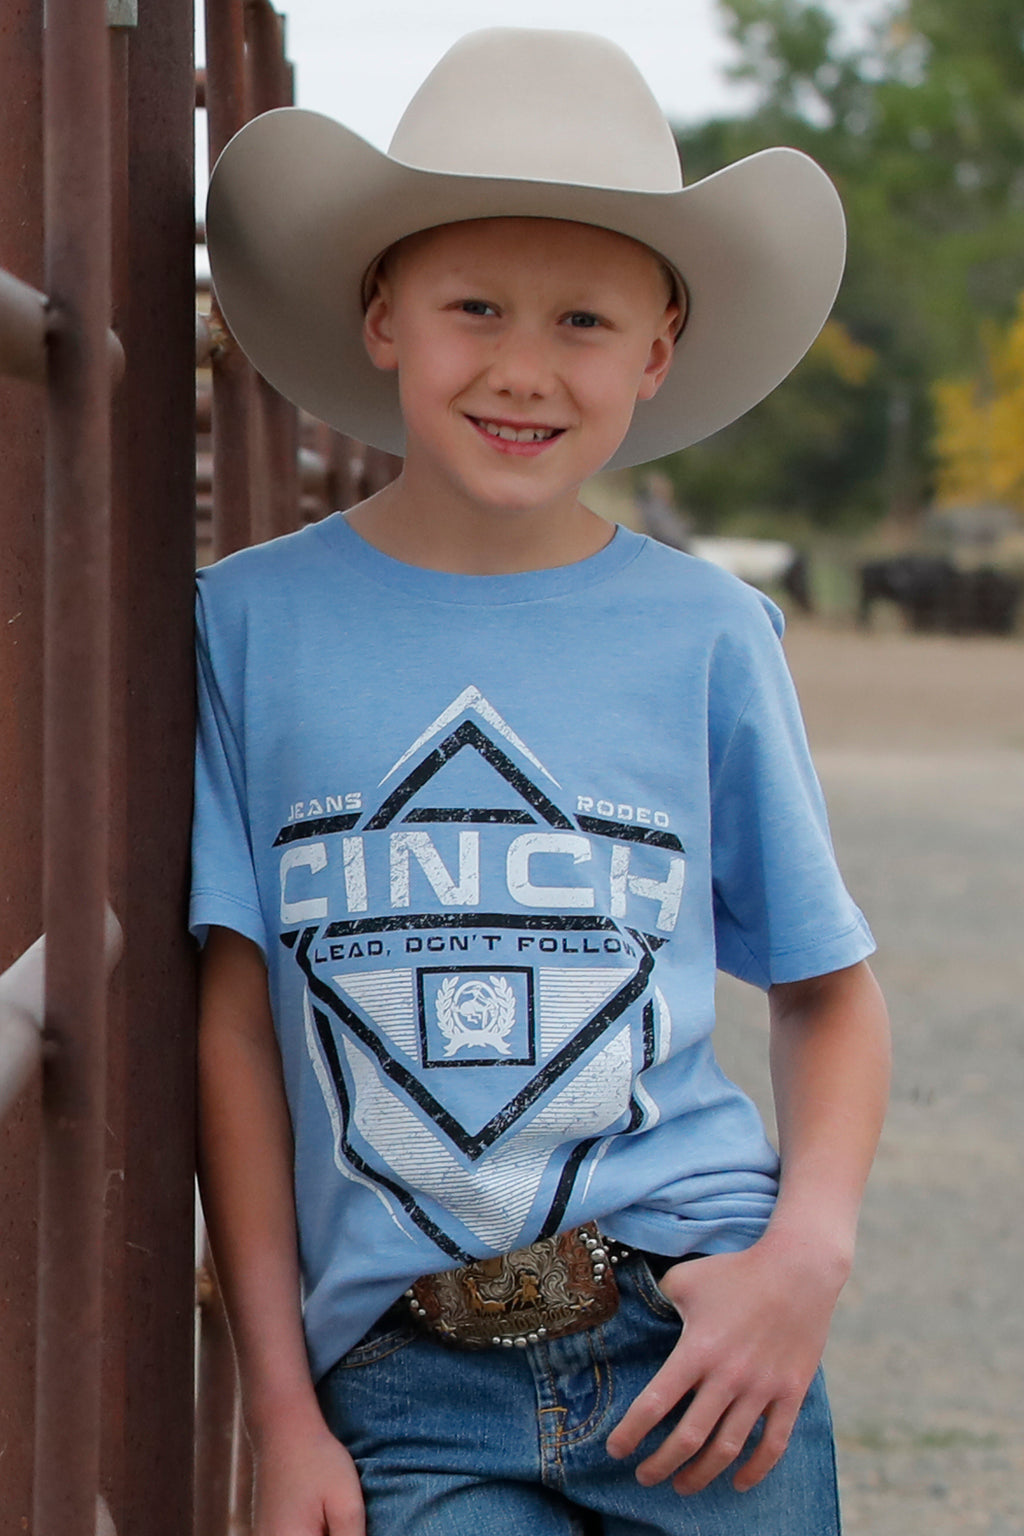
(919, 741)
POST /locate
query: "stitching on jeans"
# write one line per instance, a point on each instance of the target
(380, 1348)
(651, 1294)
(550, 1446)
(602, 1373)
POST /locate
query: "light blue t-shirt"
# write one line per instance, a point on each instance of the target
(493, 835)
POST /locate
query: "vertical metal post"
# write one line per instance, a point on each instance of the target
(237, 434)
(114, 1310)
(22, 413)
(77, 204)
(153, 1003)
(270, 85)
(232, 377)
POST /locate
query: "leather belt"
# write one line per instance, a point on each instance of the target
(553, 1287)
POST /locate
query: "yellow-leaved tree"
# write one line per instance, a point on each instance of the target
(979, 440)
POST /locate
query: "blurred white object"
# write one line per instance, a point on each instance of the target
(754, 560)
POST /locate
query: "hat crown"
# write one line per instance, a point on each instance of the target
(543, 106)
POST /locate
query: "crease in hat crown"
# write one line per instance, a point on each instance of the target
(497, 105)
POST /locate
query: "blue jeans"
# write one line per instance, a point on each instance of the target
(511, 1442)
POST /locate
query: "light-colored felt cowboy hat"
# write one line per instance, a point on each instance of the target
(519, 123)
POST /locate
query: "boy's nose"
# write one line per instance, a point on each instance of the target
(521, 367)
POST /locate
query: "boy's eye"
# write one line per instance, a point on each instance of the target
(583, 320)
(476, 307)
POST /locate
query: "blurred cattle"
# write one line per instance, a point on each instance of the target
(935, 596)
(761, 562)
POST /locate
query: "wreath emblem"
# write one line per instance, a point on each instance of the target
(476, 1013)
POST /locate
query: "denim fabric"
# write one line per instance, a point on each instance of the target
(460, 1443)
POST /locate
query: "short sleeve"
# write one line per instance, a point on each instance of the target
(224, 889)
(782, 912)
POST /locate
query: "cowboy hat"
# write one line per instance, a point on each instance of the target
(518, 123)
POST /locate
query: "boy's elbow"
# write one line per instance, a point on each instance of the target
(852, 990)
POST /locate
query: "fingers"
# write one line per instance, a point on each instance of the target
(712, 1433)
(701, 1447)
(693, 1442)
(778, 1426)
(662, 1393)
(718, 1451)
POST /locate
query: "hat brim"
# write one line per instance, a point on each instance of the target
(299, 206)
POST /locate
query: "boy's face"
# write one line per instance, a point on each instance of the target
(522, 347)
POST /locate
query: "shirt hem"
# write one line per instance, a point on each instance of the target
(215, 909)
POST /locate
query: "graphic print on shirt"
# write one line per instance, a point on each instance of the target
(477, 965)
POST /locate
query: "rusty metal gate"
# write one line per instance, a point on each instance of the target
(100, 338)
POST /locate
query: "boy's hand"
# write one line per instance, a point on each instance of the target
(755, 1325)
(306, 1485)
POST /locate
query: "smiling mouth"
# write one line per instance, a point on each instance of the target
(510, 434)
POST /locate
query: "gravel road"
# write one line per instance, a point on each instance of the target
(919, 742)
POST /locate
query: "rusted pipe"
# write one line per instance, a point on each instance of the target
(276, 505)
(226, 112)
(22, 413)
(116, 1313)
(152, 1003)
(76, 707)
(226, 107)
(314, 477)
(24, 324)
(269, 74)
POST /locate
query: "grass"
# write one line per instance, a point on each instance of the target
(879, 1437)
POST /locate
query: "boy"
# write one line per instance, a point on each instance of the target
(484, 793)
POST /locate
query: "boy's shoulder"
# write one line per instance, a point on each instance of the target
(271, 561)
(709, 592)
(266, 588)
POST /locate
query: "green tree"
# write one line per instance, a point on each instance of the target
(798, 458)
(922, 126)
(980, 438)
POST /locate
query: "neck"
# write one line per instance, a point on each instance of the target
(452, 534)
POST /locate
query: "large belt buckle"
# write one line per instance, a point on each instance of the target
(555, 1286)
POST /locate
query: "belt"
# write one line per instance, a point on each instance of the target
(555, 1286)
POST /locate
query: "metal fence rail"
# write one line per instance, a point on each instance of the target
(101, 160)
(76, 729)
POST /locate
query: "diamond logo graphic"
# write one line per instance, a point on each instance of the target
(472, 1060)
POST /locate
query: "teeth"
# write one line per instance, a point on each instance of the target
(519, 435)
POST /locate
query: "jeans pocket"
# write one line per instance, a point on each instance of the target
(383, 1339)
(649, 1291)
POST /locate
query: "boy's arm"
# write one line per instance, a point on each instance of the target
(756, 1321)
(306, 1484)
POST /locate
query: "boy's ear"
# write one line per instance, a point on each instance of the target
(378, 334)
(659, 359)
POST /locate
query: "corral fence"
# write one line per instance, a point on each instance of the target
(111, 1419)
